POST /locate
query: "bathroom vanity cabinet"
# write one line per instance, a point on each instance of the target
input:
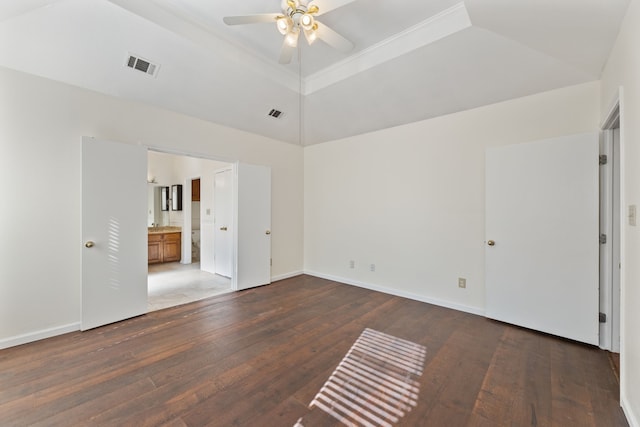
(164, 246)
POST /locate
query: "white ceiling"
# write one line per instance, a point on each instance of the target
(413, 59)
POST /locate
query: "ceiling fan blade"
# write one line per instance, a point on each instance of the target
(286, 53)
(325, 6)
(333, 39)
(251, 19)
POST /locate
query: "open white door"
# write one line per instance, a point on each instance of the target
(253, 259)
(114, 232)
(542, 236)
(223, 222)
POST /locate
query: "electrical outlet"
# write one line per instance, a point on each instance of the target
(462, 282)
(352, 264)
(372, 267)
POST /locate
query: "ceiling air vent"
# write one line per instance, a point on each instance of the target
(143, 65)
(275, 113)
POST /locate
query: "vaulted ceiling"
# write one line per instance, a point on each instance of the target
(413, 59)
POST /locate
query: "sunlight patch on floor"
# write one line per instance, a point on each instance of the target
(376, 382)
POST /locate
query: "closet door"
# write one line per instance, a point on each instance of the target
(542, 232)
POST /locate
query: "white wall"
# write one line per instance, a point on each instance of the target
(41, 125)
(623, 70)
(160, 169)
(411, 199)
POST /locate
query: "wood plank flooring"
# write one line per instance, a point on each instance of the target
(258, 357)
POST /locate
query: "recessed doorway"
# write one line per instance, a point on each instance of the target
(193, 275)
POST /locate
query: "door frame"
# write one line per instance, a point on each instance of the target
(234, 165)
(187, 216)
(186, 192)
(187, 247)
(613, 218)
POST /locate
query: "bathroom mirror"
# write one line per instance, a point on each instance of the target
(164, 198)
(176, 197)
(158, 205)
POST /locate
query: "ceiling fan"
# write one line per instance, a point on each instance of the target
(299, 16)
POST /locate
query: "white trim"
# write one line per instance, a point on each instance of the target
(399, 293)
(187, 153)
(286, 275)
(435, 28)
(606, 250)
(185, 242)
(609, 213)
(38, 335)
(632, 418)
(613, 112)
(624, 229)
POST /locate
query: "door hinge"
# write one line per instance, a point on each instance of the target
(603, 159)
(603, 239)
(602, 317)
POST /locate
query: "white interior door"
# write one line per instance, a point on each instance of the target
(542, 218)
(223, 222)
(254, 226)
(114, 232)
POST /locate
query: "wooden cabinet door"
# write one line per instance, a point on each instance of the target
(171, 247)
(154, 246)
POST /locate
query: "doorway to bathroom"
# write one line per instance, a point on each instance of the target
(193, 275)
(116, 204)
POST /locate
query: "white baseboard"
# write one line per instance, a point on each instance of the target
(399, 293)
(52, 332)
(632, 417)
(38, 335)
(286, 275)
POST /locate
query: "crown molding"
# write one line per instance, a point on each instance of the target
(437, 27)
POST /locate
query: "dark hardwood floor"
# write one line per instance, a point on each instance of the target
(258, 357)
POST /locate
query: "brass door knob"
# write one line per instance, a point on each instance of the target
(89, 244)
(491, 243)
(223, 228)
(267, 232)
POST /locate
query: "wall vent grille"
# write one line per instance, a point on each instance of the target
(275, 113)
(143, 65)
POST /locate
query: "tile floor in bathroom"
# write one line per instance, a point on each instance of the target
(172, 284)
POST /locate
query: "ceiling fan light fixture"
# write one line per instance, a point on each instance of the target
(284, 24)
(298, 16)
(311, 35)
(307, 21)
(291, 39)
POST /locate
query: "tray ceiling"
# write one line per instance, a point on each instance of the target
(412, 60)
